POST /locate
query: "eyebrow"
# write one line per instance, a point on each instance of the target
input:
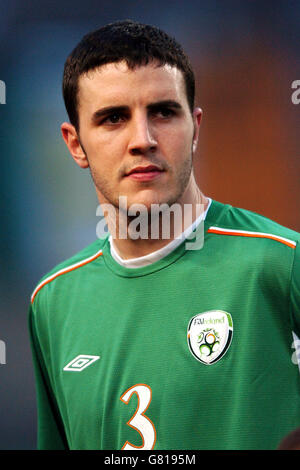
(108, 110)
(123, 108)
(166, 103)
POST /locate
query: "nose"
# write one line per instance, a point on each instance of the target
(142, 139)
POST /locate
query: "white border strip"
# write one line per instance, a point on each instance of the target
(64, 270)
(263, 234)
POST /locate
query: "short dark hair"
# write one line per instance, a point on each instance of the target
(136, 43)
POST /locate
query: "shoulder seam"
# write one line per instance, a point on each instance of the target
(246, 233)
(64, 271)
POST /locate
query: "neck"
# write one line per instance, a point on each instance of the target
(146, 233)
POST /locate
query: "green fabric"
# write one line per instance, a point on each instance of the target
(137, 321)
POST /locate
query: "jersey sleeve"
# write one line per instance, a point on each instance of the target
(51, 435)
(295, 291)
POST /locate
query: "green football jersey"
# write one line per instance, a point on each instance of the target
(194, 351)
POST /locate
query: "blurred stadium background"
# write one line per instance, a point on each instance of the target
(245, 55)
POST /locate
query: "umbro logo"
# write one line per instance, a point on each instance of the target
(80, 362)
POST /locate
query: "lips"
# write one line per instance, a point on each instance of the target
(144, 174)
(144, 169)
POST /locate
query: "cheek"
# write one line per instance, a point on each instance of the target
(178, 144)
(104, 152)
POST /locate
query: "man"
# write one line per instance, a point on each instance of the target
(147, 341)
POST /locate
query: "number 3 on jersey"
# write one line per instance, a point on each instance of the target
(139, 421)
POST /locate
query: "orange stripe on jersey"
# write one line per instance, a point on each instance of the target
(244, 233)
(64, 271)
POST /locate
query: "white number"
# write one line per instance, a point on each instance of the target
(139, 421)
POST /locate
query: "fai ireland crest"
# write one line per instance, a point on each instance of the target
(209, 335)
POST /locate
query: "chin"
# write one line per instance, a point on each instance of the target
(149, 200)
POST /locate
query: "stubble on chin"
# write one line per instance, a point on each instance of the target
(175, 189)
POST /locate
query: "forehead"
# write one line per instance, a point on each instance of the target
(115, 83)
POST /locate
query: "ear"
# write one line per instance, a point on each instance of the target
(72, 141)
(197, 116)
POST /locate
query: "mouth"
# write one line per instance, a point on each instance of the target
(144, 173)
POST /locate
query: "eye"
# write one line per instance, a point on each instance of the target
(114, 118)
(164, 113)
